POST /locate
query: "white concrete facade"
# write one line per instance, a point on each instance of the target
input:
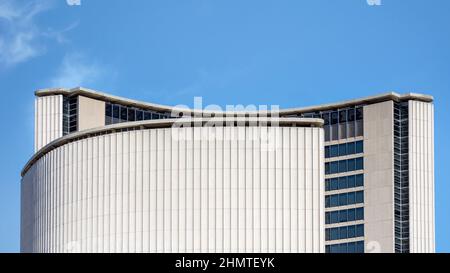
(379, 176)
(48, 120)
(421, 169)
(144, 191)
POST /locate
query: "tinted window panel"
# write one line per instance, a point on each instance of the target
(342, 149)
(359, 147)
(359, 180)
(351, 181)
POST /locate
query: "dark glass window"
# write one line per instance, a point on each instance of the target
(359, 113)
(351, 165)
(359, 147)
(139, 115)
(343, 199)
(334, 118)
(342, 166)
(360, 247)
(351, 148)
(334, 184)
(327, 168)
(342, 116)
(359, 163)
(351, 181)
(334, 201)
(359, 180)
(334, 167)
(334, 234)
(155, 116)
(326, 118)
(351, 247)
(343, 182)
(131, 114)
(351, 114)
(359, 214)
(343, 233)
(123, 114)
(343, 216)
(342, 149)
(359, 230)
(334, 217)
(351, 198)
(147, 116)
(351, 214)
(351, 232)
(327, 151)
(116, 111)
(334, 151)
(108, 110)
(359, 197)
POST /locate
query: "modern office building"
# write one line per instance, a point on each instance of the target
(116, 175)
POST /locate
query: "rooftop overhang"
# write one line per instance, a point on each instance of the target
(198, 112)
(175, 123)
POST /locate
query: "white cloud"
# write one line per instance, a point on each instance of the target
(18, 31)
(76, 70)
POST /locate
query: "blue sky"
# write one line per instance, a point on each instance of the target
(288, 53)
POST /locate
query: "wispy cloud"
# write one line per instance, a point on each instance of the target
(18, 31)
(77, 70)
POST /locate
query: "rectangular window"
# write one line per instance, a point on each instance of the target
(139, 115)
(359, 147)
(351, 181)
(327, 151)
(359, 180)
(359, 113)
(359, 197)
(351, 215)
(342, 116)
(334, 118)
(334, 201)
(351, 165)
(343, 216)
(123, 114)
(343, 149)
(334, 167)
(343, 166)
(131, 115)
(342, 183)
(334, 184)
(334, 151)
(351, 148)
(359, 163)
(359, 230)
(351, 114)
(147, 116)
(343, 233)
(359, 213)
(351, 232)
(351, 198)
(326, 118)
(343, 199)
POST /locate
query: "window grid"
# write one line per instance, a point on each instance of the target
(401, 177)
(343, 216)
(352, 247)
(344, 149)
(345, 182)
(115, 113)
(345, 232)
(344, 199)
